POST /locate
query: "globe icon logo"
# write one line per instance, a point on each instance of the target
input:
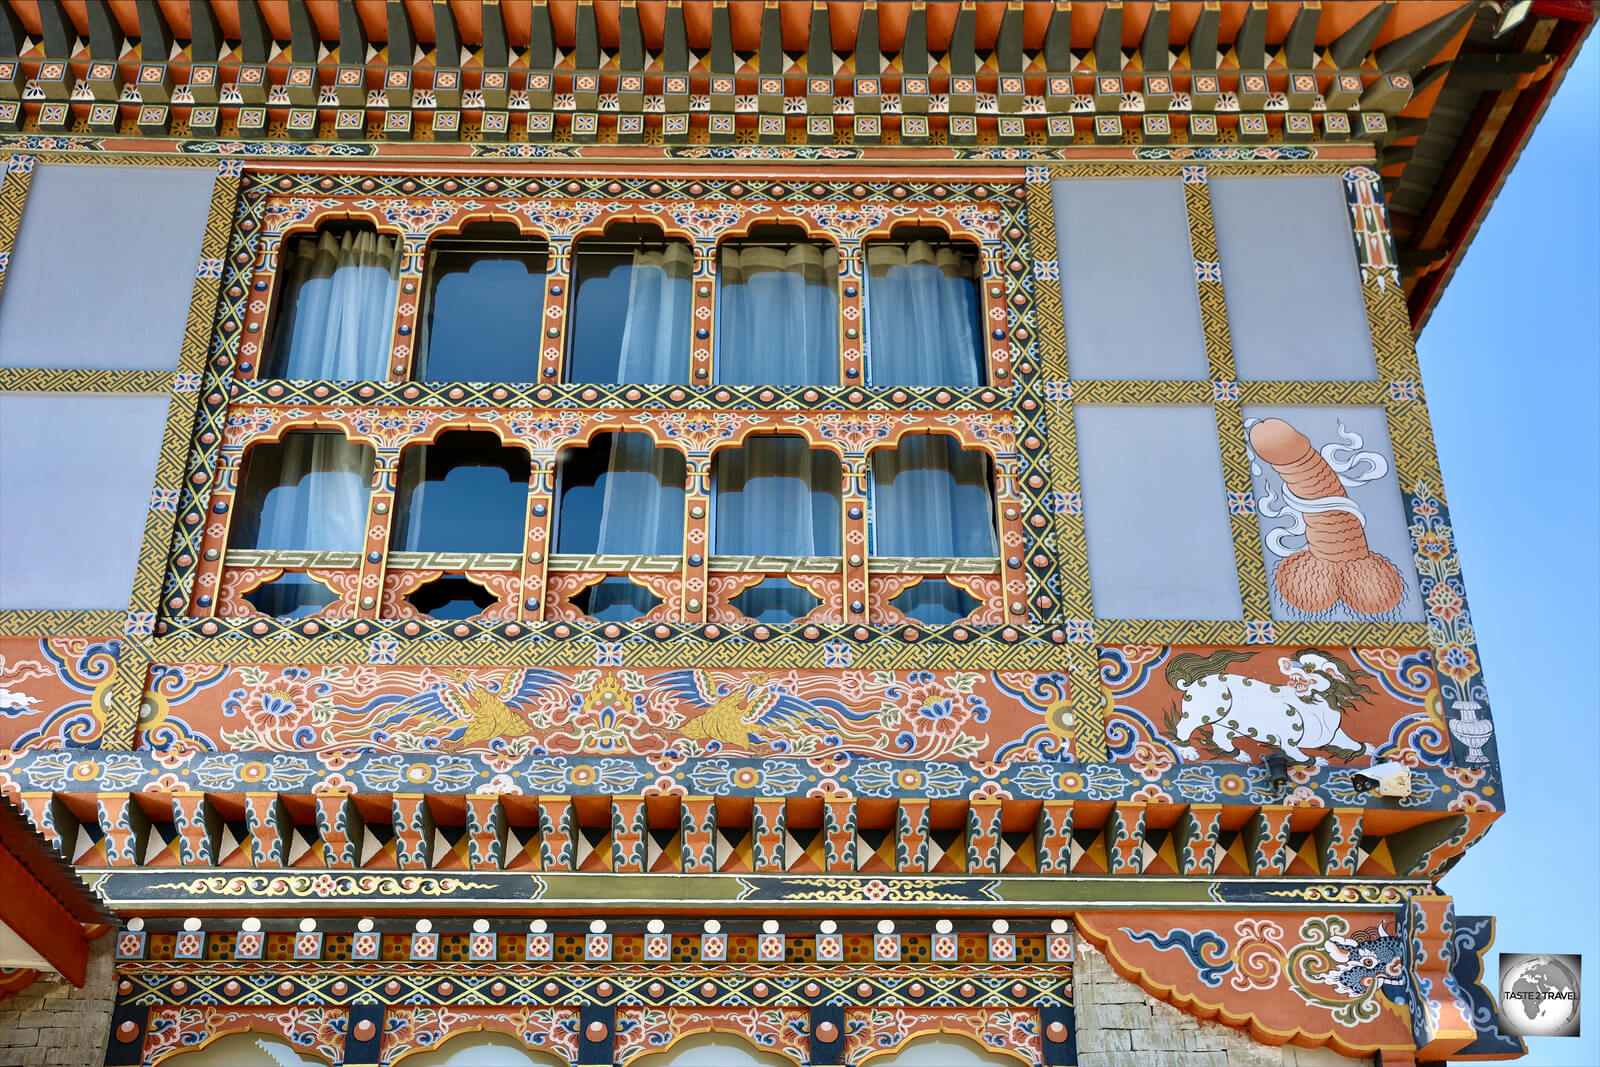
(1539, 995)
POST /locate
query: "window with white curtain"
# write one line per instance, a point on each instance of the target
(633, 310)
(465, 492)
(619, 495)
(307, 492)
(336, 306)
(484, 311)
(932, 498)
(778, 309)
(776, 496)
(924, 318)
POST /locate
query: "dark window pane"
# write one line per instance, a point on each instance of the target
(307, 492)
(631, 322)
(923, 317)
(293, 596)
(777, 497)
(485, 312)
(336, 311)
(778, 314)
(930, 497)
(935, 602)
(621, 494)
(775, 600)
(615, 599)
(464, 493)
(452, 596)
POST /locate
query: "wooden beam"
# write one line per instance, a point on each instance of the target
(255, 39)
(1351, 47)
(105, 33)
(914, 47)
(1156, 45)
(496, 47)
(402, 36)
(630, 51)
(1250, 43)
(155, 36)
(1202, 50)
(963, 55)
(1413, 51)
(723, 59)
(770, 59)
(586, 46)
(40, 920)
(868, 52)
(1300, 43)
(819, 45)
(446, 36)
(352, 36)
(675, 41)
(1108, 40)
(205, 34)
(305, 42)
(1008, 43)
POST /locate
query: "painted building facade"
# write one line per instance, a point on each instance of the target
(803, 523)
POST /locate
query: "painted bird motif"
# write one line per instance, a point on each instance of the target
(760, 713)
(479, 712)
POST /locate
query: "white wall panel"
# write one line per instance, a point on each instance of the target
(76, 472)
(103, 268)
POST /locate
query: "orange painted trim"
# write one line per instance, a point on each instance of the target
(39, 919)
(1248, 1021)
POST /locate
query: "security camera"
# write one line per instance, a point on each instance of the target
(1384, 779)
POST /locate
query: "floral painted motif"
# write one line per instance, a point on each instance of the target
(318, 1030)
(873, 1032)
(53, 691)
(783, 1031)
(1336, 979)
(545, 1029)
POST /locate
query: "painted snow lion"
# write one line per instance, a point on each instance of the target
(1305, 711)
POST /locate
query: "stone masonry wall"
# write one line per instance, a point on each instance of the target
(53, 1024)
(1120, 1025)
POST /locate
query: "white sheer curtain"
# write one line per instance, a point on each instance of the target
(931, 498)
(641, 511)
(338, 307)
(314, 500)
(922, 316)
(778, 323)
(655, 337)
(776, 497)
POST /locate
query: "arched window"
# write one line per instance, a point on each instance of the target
(776, 496)
(466, 492)
(943, 1050)
(484, 314)
(336, 305)
(778, 319)
(307, 492)
(245, 1050)
(481, 1048)
(633, 310)
(620, 495)
(924, 318)
(932, 498)
(712, 1050)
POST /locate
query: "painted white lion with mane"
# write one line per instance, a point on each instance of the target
(1306, 711)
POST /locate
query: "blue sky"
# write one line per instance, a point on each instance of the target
(1511, 365)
